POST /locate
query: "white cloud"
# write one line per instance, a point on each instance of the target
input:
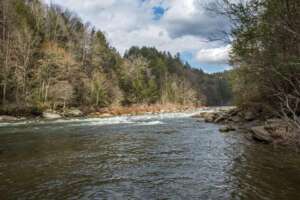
(217, 56)
(185, 25)
(190, 17)
(83, 5)
(181, 10)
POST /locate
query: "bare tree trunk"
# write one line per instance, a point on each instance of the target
(97, 100)
(41, 95)
(46, 92)
(4, 94)
(5, 69)
(4, 49)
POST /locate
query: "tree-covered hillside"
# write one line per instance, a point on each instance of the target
(266, 55)
(50, 58)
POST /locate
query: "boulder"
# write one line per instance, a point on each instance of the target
(221, 118)
(236, 118)
(74, 113)
(209, 117)
(259, 133)
(233, 112)
(249, 116)
(226, 129)
(6, 118)
(49, 115)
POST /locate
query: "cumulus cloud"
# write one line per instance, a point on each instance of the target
(216, 56)
(182, 26)
(190, 17)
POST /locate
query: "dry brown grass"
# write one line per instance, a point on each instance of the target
(141, 109)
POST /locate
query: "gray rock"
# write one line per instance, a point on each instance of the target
(249, 116)
(49, 115)
(236, 119)
(221, 118)
(226, 129)
(6, 118)
(209, 117)
(259, 133)
(233, 112)
(74, 113)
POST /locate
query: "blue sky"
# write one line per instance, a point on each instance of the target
(182, 26)
(158, 12)
(189, 57)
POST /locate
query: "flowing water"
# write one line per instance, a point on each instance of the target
(169, 156)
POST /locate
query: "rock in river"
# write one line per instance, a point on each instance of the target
(259, 133)
(227, 129)
(209, 116)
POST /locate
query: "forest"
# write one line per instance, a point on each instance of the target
(51, 59)
(265, 54)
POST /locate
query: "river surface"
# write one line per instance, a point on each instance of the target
(170, 156)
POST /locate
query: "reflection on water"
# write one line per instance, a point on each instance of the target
(267, 173)
(141, 158)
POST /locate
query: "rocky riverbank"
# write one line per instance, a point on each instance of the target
(93, 113)
(259, 127)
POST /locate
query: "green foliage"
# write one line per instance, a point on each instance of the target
(266, 54)
(138, 82)
(165, 78)
(98, 91)
(218, 89)
(50, 59)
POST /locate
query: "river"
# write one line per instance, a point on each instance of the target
(169, 156)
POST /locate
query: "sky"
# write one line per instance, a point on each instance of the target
(177, 26)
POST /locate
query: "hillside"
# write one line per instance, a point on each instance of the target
(51, 59)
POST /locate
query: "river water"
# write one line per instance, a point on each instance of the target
(170, 156)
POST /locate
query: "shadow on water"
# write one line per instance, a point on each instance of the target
(176, 158)
(266, 172)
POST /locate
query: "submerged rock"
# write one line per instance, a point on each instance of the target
(49, 115)
(226, 129)
(259, 133)
(200, 120)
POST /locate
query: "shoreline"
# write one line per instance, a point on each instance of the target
(255, 125)
(77, 113)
